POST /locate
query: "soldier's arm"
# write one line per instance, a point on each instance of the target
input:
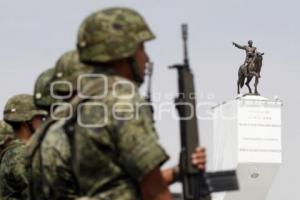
(239, 46)
(140, 153)
(153, 186)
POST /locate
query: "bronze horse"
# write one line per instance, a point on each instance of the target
(254, 71)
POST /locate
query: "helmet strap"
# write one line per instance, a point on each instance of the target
(135, 70)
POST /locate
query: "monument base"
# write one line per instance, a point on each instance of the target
(247, 137)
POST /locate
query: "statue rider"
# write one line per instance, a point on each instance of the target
(250, 54)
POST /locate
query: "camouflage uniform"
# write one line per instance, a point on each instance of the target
(44, 159)
(126, 151)
(11, 157)
(112, 147)
(13, 173)
(126, 146)
(6, 133)
(64, 81)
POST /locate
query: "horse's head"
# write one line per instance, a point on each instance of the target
(259, 56)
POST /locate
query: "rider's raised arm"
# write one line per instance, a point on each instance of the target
(239, 46)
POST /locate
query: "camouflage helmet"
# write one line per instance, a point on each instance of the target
(6, 132)
(21, 108)
(42, 93)
(111, 34)
(67, 70)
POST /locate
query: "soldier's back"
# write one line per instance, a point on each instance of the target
(13, 174)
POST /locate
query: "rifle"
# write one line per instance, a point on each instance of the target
(196, 184)
(148, 97)
(149, 73)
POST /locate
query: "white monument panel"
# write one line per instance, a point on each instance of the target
(259, 128)
(247, 137)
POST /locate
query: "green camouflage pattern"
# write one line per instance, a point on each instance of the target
(110, 159)
(21, 108)
(42, 92)
(6, 132)
(111, 34)
(67, 69)
(53, 159)
(127, 149)
(13, 173)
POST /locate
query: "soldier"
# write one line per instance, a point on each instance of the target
(7, 140)
(250, 53)
(53, 92)
(42, 90)
(6, 135)
(67, 70)
(129, 168)
(21, 113)
(108, 154)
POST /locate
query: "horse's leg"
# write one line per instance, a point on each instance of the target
(240, 79)
(256, 84)
(238, 86)
(247, 83)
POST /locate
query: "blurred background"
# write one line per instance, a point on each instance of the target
(33, 34)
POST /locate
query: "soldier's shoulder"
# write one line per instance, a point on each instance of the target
(16, 146)
(109, 87)
(52, 142)
(55, 135)
(55, 143)
(38, 137)
(15, 153)
(5, 127)
(122, 89)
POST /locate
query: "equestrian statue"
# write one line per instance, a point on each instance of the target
(250, 68)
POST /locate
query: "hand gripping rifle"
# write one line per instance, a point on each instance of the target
(196, 184)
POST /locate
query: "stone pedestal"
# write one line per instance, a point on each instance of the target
(247, 137)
